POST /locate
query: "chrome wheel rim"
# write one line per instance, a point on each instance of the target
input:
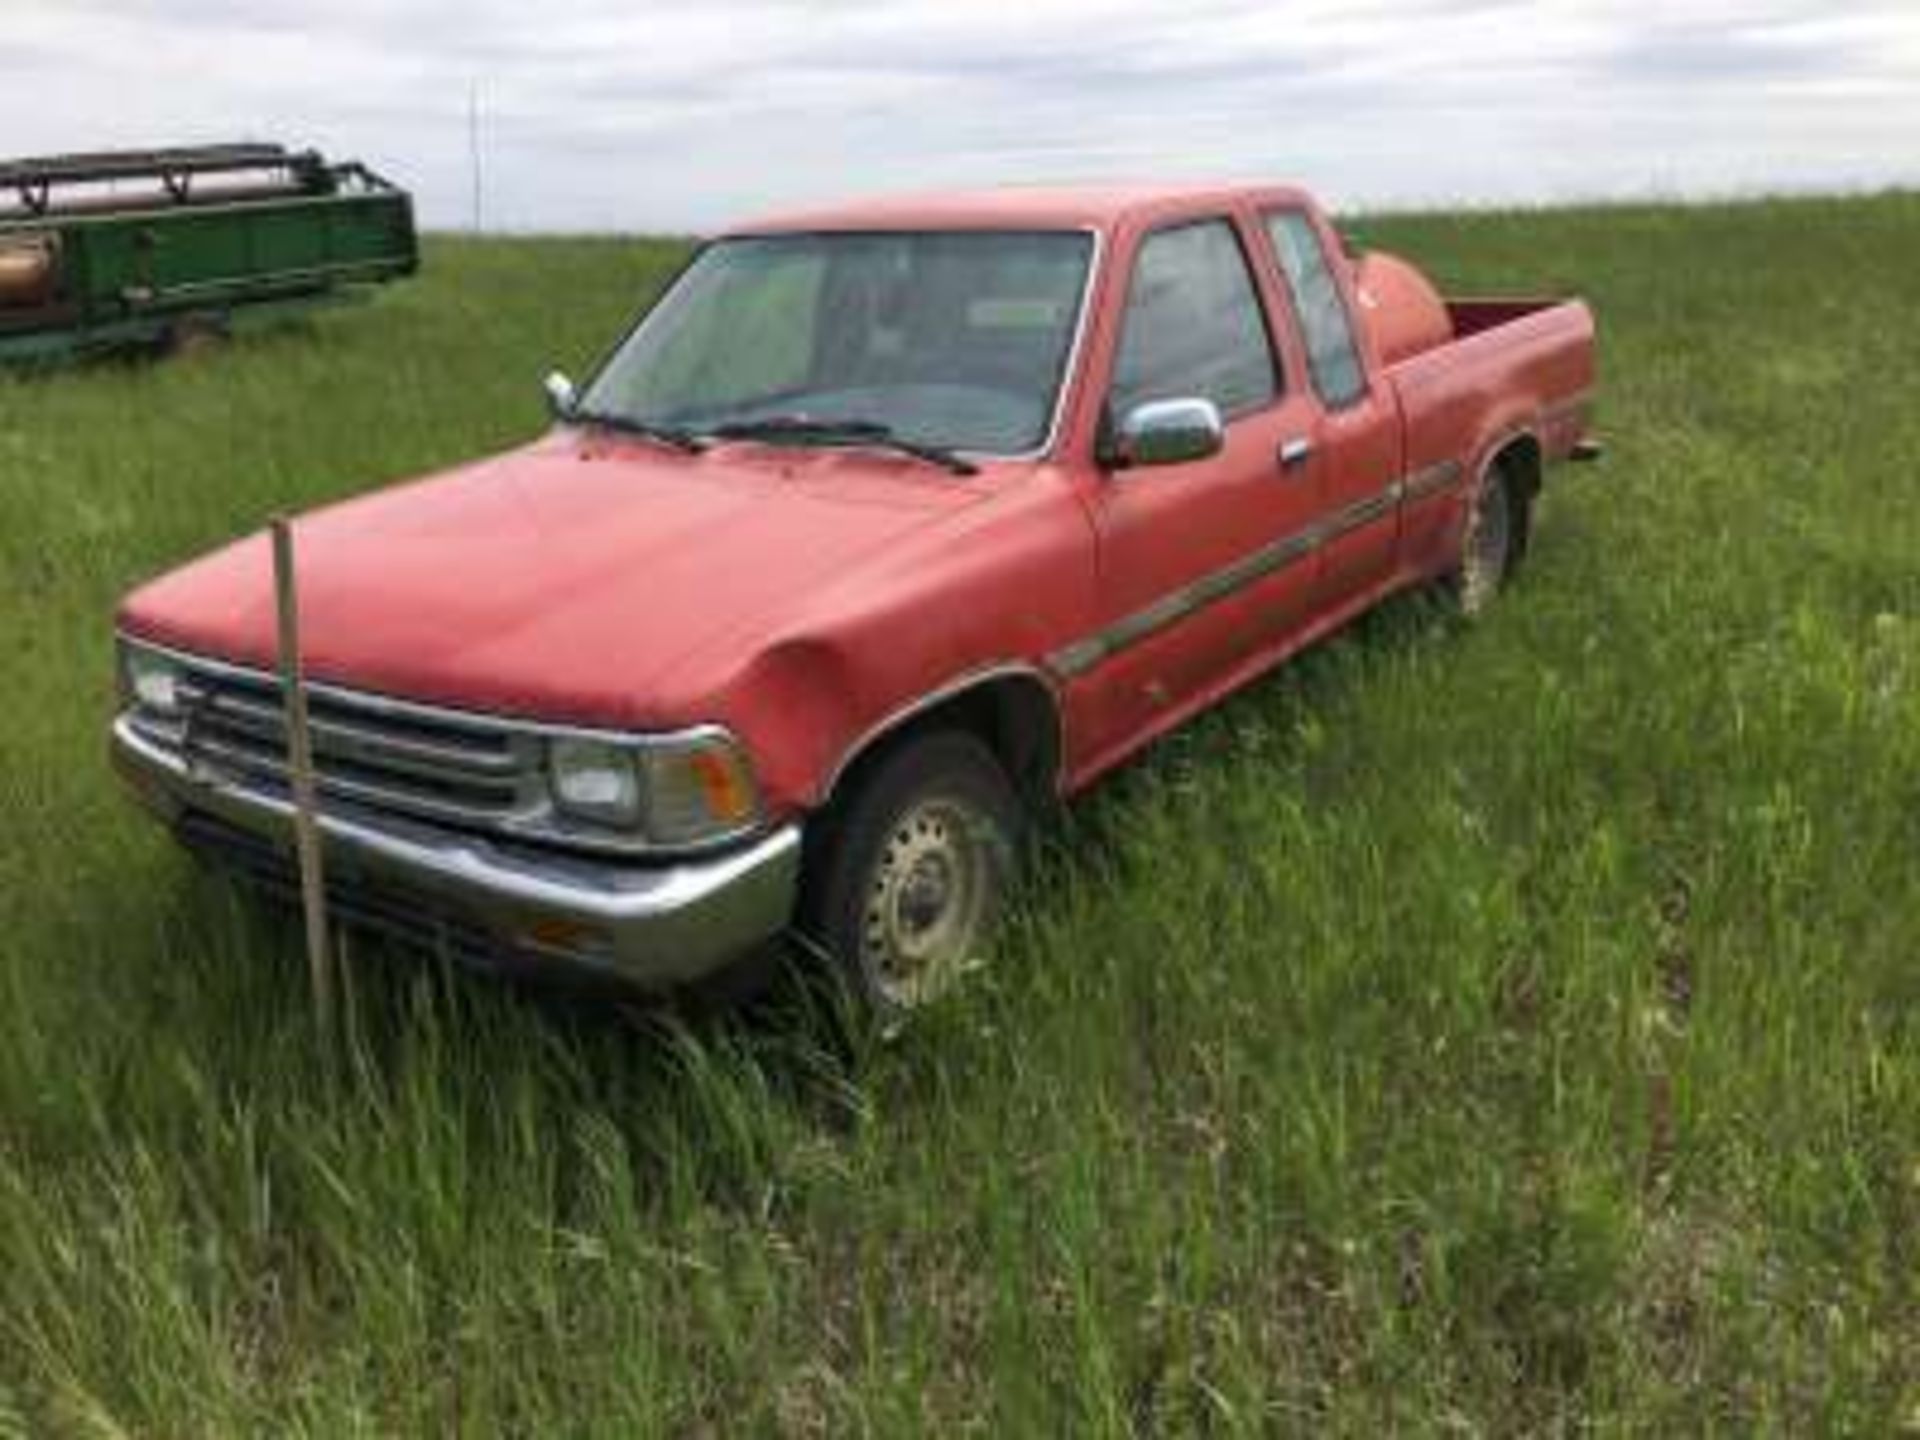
(928, 901)
(1489, 533)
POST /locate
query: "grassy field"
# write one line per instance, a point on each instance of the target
(1485, 1030)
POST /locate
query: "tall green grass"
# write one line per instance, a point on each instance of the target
(1505, 1028)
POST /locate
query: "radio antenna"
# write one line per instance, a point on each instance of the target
(473, 146)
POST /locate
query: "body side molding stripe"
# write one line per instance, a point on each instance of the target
(1432, 478)
(1080, 656)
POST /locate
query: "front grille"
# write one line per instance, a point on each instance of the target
(462, 770)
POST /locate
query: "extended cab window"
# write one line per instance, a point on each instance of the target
(1193, 324)
(948, 338)
(1338, 378)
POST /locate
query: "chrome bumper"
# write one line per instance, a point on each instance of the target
(651, 926)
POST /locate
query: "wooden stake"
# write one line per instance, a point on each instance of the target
(306, 824)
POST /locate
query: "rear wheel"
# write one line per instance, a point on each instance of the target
(1496, 527)
(906, 885)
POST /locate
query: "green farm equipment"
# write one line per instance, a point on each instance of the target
(140, 248)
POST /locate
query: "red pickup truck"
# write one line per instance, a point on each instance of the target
(883, 529)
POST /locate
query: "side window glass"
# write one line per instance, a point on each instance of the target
(1331, 354)
(1193, 325)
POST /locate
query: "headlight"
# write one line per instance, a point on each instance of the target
(152, 680)
(595, 780)
(677, 791)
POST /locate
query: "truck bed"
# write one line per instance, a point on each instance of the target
(1515, 365)
(1474, 314)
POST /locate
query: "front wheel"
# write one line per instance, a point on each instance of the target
(904, 889)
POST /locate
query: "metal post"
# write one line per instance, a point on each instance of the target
(306, 826)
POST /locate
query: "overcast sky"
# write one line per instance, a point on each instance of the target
(649, 115)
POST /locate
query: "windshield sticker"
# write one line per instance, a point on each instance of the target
(1002, 313)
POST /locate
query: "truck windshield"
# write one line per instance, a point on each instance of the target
(951, 339)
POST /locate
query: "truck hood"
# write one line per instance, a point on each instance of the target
(559, 581)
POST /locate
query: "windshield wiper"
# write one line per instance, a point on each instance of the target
(798, 429)
(683, 440)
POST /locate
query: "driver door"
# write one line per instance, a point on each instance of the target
(1198, 570)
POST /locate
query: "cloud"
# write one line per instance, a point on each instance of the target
(649, 115)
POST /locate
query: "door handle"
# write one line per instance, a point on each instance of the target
(1295, 452)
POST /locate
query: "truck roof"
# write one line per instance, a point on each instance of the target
(1036, 207)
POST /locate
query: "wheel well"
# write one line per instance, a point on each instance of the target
(1523, 463)
(1014, 714)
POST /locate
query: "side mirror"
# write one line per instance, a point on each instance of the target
(1169, 432)
(561, 396)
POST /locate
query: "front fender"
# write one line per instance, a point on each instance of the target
(797, 706)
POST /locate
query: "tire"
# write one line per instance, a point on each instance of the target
(911, 871)
(1495, 539)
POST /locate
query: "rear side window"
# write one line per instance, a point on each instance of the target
(1193, 325)
(1333, 358)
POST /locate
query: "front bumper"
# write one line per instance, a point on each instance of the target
(651, 926)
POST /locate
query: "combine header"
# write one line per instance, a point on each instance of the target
(138, 247)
